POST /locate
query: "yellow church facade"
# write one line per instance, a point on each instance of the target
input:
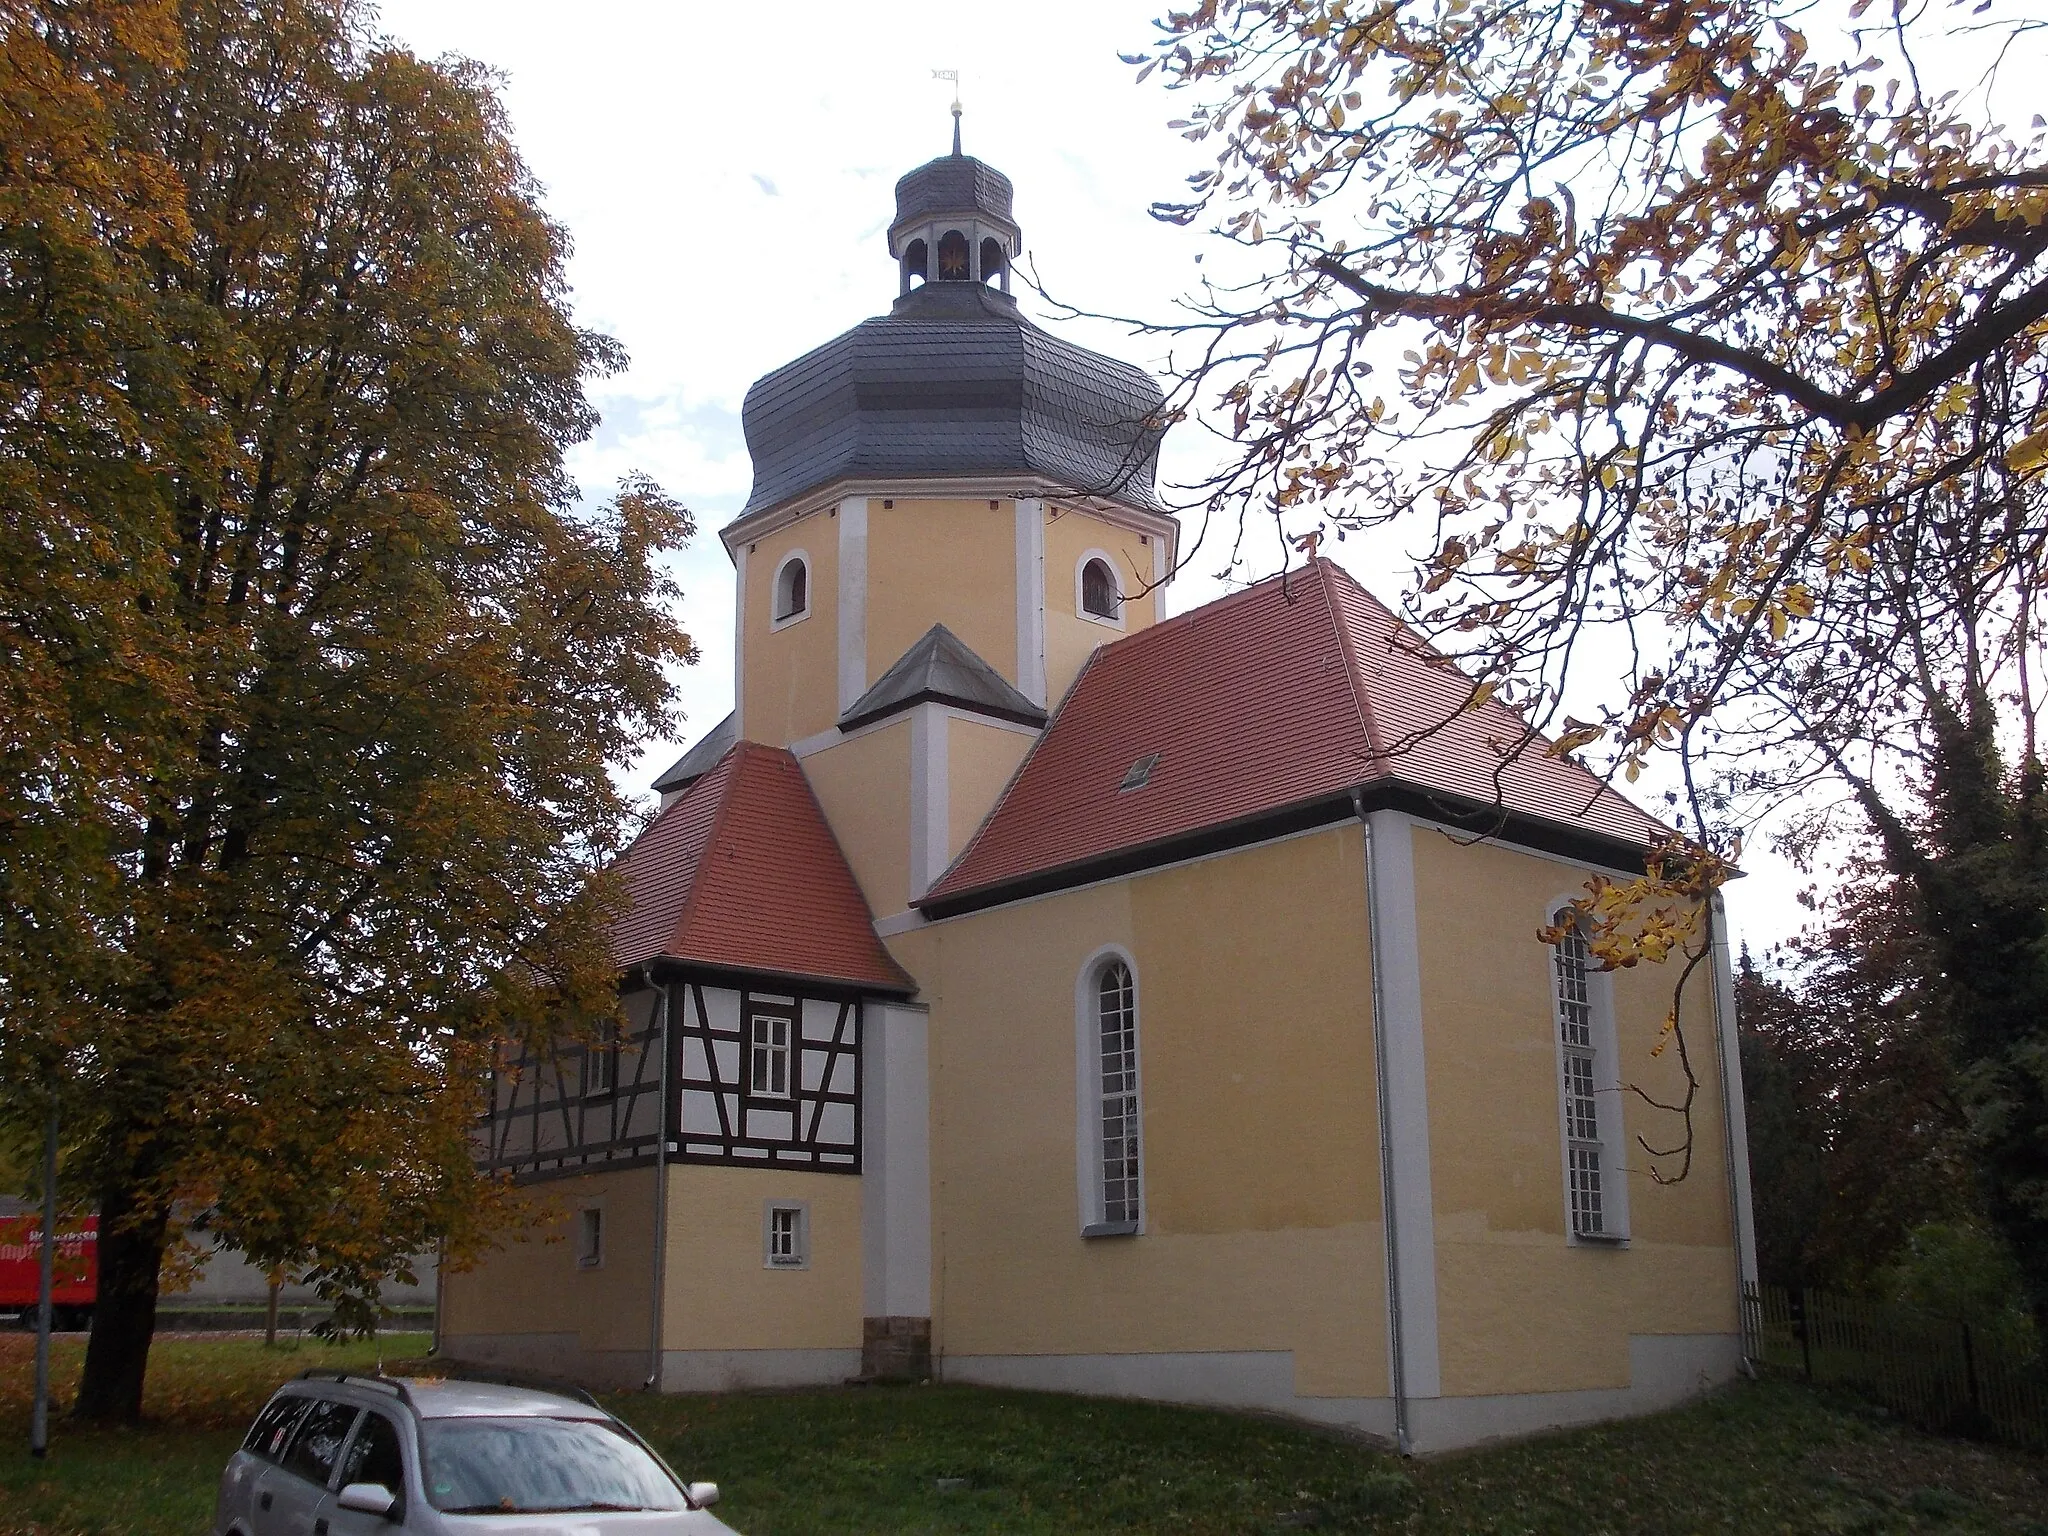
(1025, 986)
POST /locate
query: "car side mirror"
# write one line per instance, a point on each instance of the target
(368, 1498)
(703, 1495)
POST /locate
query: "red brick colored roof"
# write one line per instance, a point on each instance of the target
(742, 872)
(1293, 690)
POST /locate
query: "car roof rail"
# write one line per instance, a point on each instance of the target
(532, 1381)
(389, 1384)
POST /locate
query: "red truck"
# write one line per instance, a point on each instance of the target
(76, 1281)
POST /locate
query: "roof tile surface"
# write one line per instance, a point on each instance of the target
(743, 872)
(1296, 688)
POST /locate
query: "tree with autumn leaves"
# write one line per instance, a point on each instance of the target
(1696, 347)
(312, 664)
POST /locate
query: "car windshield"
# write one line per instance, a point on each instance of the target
(525, 1466)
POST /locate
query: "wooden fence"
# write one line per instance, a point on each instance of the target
(1938, 1373)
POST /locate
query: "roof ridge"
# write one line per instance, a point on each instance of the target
(1367, 721)
(839, 849)
(1425, 651)
(683, 913)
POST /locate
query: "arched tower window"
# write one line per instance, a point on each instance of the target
(953, 257)
(916, 263)
(792, 589)
(1111, 1122)
(991, 260)
(1100, 598)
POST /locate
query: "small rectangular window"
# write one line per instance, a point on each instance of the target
(590, 1239)
(601, 1062)
(768, 1075)
(786, 1235)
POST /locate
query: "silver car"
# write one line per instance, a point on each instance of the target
(337, 1454)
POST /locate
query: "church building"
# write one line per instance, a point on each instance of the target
(1023, 986)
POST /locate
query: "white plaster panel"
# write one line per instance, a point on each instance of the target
(721, 1007)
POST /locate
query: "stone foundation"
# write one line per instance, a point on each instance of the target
(896, 1348)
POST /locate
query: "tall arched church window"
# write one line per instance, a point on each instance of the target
(991, 260)
(1112, 1156)
(953, 256)
(1594, 1191)
(792, 589)
(917, 260)
(1100, 598)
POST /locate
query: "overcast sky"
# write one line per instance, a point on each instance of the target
(729, 184)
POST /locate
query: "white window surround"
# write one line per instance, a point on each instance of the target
(776, 618)
(771, 1054)
(785, 1234)
(600, 1064)
(590, 1237)
(1601, 1059)
(1088, 1093)
(1116, 571)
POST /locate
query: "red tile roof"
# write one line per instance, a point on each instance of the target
(1293, 690)
(742, 872)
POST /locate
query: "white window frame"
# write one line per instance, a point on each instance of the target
(785, 1050)
(1595, 1062)
(1116, 572)
(590, 1237)
(600, 1065)
(797, 1254)
(1088, 1098)
(776, 618)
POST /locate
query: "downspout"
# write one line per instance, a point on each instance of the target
(659, 1278)
(1397, 1374)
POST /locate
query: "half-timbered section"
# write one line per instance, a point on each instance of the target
(748, 950)
(769, 1077)
(764, 1075)
(580, 1106)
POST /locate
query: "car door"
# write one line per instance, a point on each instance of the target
(298, 1487)
(375, 1454)
(241, 1506)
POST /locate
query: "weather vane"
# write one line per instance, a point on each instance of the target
(954, 76)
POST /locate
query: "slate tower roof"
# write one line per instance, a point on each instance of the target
(953, 381)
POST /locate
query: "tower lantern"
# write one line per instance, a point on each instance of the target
(953, 224)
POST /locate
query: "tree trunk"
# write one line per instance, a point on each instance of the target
(270, 1314)
(132, 1238)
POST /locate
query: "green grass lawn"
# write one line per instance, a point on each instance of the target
(1768, 1458)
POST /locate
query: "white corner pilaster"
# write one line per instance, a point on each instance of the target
(739, 644)
(930, 798)
(853, 599)
(1397, 967)
(1734, 1116)
(1031, 599)
(1158, 578)
(896, 1189)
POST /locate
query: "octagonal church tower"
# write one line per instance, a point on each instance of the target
(951, 509)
